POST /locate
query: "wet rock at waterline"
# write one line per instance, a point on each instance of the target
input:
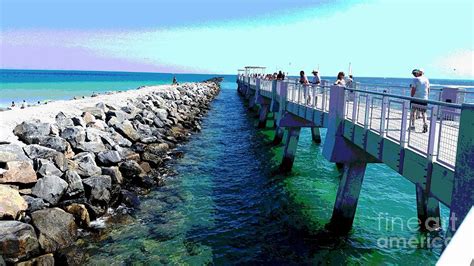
(56, 228)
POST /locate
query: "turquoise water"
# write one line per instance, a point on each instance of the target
(226, 206)
(41, 85)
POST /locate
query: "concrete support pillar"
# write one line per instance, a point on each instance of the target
(428, 210)
(347, 197)
(316, 135)
(262, 118)
(462, 198)
(291, 143)
(279, 132)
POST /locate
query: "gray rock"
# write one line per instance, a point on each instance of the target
(120, 140)
(114, 174)
(162, 114)
(120, 116)
(109, 157)
(158, 123)
(50, 189)
(126, 129)
(29, 131)
(74, 181)
(17, 240)
(39, 152)
(157, 148)
(47, 168)
(86, 165)
(98, 188)
(55, 143)
(63, 121)
(92, 146)
(88, 118)
(12, 152)
(35, 204)
(74, 135)
(56, 228)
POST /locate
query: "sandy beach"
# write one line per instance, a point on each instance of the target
(47, 112)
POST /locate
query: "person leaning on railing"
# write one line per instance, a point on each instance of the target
(305, 82)
(420, 89)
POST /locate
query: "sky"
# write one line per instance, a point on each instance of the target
(380, 38)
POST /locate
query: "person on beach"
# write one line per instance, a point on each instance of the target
(316, 78)
(175, 82)
(420, 89)
(24, 105)
(13, 104)
(340, 81)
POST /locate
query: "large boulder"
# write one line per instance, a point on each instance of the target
(50, 188)
(11, 152)
(40, 152)
(93, 146)
(74, 135)
(162, 114)
(54, 142)
(17, 172)
(56, 228)
(29, 131)
(74, 181)
(98, 189)
(11, 203)
(86, 165)
(157, 148)
(109, 157)
(153, 159)
(126, 129)
(17, 240)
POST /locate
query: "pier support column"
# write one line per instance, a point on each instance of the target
(262, 119)
(316, 135)
(279, 132)
(428, 210)
(291, 143)
(347, 197)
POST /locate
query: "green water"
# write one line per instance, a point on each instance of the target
(226, 206)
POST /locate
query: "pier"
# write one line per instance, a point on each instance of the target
(370, 123)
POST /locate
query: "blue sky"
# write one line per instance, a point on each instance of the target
(379, 37)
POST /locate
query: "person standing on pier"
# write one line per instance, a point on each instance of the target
(340, 81)
(316, 78)
(304, 81)
(420, 89)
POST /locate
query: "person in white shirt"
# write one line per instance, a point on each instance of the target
(340, 79)
(420, 89)
(316, 78)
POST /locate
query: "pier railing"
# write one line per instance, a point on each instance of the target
(388, 111)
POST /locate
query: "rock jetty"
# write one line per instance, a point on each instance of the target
(64, 175)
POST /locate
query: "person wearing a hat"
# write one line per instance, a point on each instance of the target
(420, 90)
(316, 78)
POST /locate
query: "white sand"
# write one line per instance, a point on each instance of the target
(47, 112)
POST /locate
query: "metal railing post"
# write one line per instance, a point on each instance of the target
(432, 131)
(403, 129)
(383, 114)
(354, 107)
(367, 111)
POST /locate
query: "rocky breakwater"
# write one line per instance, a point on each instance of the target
(71, 172)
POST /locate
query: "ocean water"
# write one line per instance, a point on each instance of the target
(227, 206)
(44, 85)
